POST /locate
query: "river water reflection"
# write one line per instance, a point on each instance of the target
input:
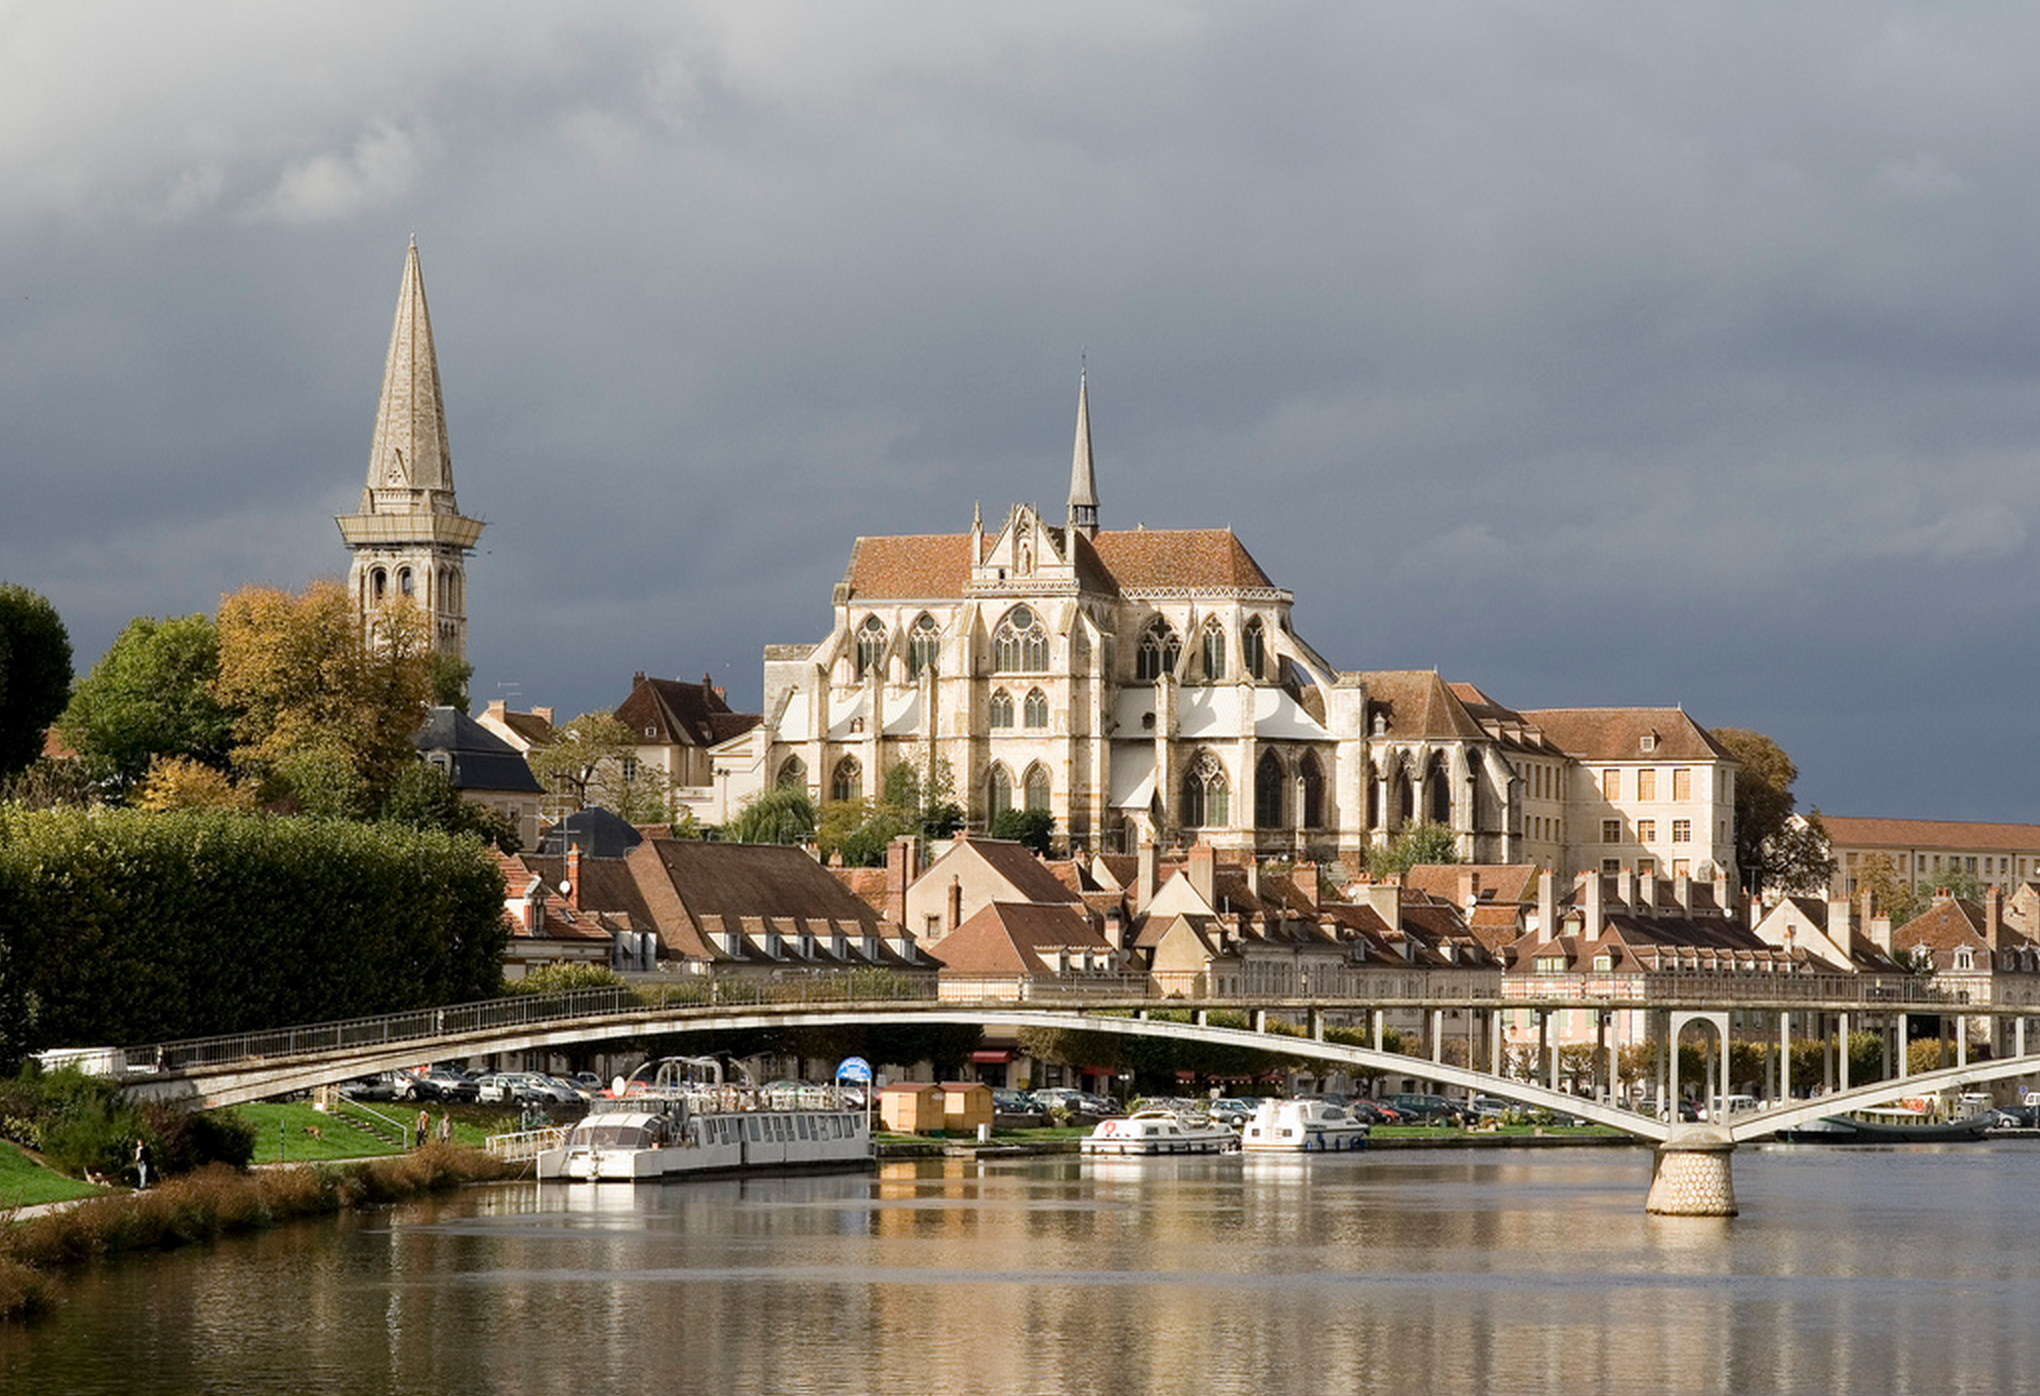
(1888, 1270)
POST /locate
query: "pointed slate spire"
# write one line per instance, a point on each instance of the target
(410, 450)
(1083, 478)
(409, 537)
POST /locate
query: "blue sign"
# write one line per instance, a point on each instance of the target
(854, 1069)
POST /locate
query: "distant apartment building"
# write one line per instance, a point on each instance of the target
(1997, 855)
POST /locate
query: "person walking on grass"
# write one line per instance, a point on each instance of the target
(445, 1135)
(424, 1128)
(142, 1164)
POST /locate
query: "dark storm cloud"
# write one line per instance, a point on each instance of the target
(1592, 353)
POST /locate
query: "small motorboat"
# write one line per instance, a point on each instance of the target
(1913, 1122)
(1146, 1132)
(1303, 1126)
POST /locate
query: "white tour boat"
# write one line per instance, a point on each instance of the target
(1147, 1132)
(675, 1118)
(1303, 1126)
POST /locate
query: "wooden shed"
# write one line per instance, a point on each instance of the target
(913, 1107)
(965, 1106)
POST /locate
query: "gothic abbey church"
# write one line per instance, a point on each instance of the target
(1147, 684)
(408, 536)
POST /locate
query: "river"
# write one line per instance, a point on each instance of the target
(1906, 1269)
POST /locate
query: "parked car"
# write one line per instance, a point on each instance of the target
(1424, 1109)
(1487, 1107)
(506, 1088)
(378, 1086)
(440, 1083)
(1017, 1109)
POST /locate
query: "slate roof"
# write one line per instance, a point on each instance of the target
(477, 759)
(595, 831)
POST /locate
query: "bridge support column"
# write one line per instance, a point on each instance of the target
(2018, 1037)
(1317, 1024)
(1437, 1034)
(1691, 1176)
(1257, 1019)
(1497, 1032)
(1962, 1039)
(1898, 1051)
(1785, 1055)
(1380, 1025)
(1842, 1047)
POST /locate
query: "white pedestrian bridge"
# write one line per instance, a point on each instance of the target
(229, 1070)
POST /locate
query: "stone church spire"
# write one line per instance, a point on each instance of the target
(1083, 479)
(408, 537)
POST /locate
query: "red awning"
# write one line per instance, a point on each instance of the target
(993, 1056)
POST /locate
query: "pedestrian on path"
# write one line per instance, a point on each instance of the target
(142, 1163)
(424, 1128)
(445, 1128)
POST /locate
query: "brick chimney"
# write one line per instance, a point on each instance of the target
(902, 867)
(953, 915)
(1682, 893)
(1203, 870)
(1993, 917)
(574, 876)
(1625, 888)
(1469, 888)
(1590, 904)
(1386, 899)
(1146, 873)
(1547, 905)
(1304, 878)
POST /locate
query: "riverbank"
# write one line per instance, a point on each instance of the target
(212, 1202)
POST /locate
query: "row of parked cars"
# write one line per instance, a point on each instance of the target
(453, 1084)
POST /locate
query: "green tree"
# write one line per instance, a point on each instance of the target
(783, 814)
(150, 695)
(1769, 848)
(1033, 827)
(301, 677)
(35, 674)
(1892, 893)
(593, 761)
(422, 797)
(1420, 843)
(449, 678)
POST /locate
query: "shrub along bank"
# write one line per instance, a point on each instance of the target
(123, 926)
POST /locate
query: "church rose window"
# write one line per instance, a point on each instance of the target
(1020, 645)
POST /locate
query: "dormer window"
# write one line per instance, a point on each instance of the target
(1647, 742)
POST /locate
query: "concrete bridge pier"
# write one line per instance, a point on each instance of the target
(1691, 1175)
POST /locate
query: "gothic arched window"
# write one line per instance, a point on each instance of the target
(1268, 778)
(1254, 648)
(1002, 709)
(404, 582)
(793, 772)
(923, 644)
(1037, 787)
(849, 780)
(1212, 643)
(1207, 799)
(1312, 777)
(1158, 653)
(870, 645)
(379, 584)
(1037, 708)
(1439, 788)
(998, 791)
(1020, 645)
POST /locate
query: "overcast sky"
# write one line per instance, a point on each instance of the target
(1596, 354)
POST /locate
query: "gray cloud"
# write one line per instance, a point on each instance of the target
(1593, 353)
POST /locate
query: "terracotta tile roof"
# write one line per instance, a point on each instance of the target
(1616, 734)
(1950, 924)
(1848, 832)
(936, 566)
(910, 566)
(1492, 882)
(1030, 878)
(1198, 559)
(1417, 703)
(1011, 938)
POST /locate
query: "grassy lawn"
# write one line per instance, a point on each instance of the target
(288, 1130)
(26, 1183)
